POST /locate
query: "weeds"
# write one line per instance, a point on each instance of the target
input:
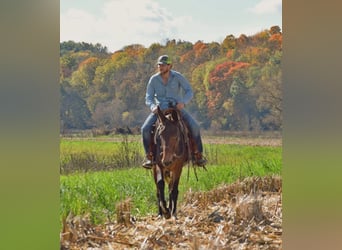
(84, 156)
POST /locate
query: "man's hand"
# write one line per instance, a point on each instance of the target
(155, 110)
(180, 106)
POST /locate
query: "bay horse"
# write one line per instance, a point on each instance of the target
(171, 153)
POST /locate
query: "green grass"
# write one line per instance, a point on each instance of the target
(97, 192)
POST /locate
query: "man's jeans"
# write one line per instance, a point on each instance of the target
(187, 118)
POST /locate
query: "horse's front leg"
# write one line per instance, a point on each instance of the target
(160, 184)
(173, 196)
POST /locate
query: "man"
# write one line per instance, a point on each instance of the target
(169, 88)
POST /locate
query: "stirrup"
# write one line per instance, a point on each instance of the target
(201, 162)
(199, 159)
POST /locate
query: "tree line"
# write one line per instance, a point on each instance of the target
(236, 83)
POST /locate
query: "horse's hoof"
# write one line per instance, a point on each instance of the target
(167, 215)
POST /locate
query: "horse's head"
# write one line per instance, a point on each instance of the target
(169, 136)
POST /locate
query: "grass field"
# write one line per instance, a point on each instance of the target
(97, 174)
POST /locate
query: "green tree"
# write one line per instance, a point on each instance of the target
(269, 92)
(229, 43)
(74, 113)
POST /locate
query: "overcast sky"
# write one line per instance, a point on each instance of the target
(118, 23)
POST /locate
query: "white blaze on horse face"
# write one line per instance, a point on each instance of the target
(159, 174)
(167, 152)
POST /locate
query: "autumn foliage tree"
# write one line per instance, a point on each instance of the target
(237, 83)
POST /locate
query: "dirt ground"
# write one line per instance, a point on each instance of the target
(244, 215)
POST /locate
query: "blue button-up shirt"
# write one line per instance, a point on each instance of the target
(177, 90)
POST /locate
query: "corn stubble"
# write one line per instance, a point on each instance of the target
(244, 215)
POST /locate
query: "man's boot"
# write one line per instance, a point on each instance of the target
(199, 160)
(147, 163)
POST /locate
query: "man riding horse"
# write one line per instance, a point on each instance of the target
(169, 88)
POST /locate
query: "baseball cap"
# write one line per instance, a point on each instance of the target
(164, 59)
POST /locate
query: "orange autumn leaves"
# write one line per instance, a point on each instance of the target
(220, 80)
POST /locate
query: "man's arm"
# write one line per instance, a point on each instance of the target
(149, 97)
(188, 93)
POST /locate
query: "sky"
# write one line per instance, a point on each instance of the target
(119, 23)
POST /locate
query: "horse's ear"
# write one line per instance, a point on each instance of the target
(161, 115)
